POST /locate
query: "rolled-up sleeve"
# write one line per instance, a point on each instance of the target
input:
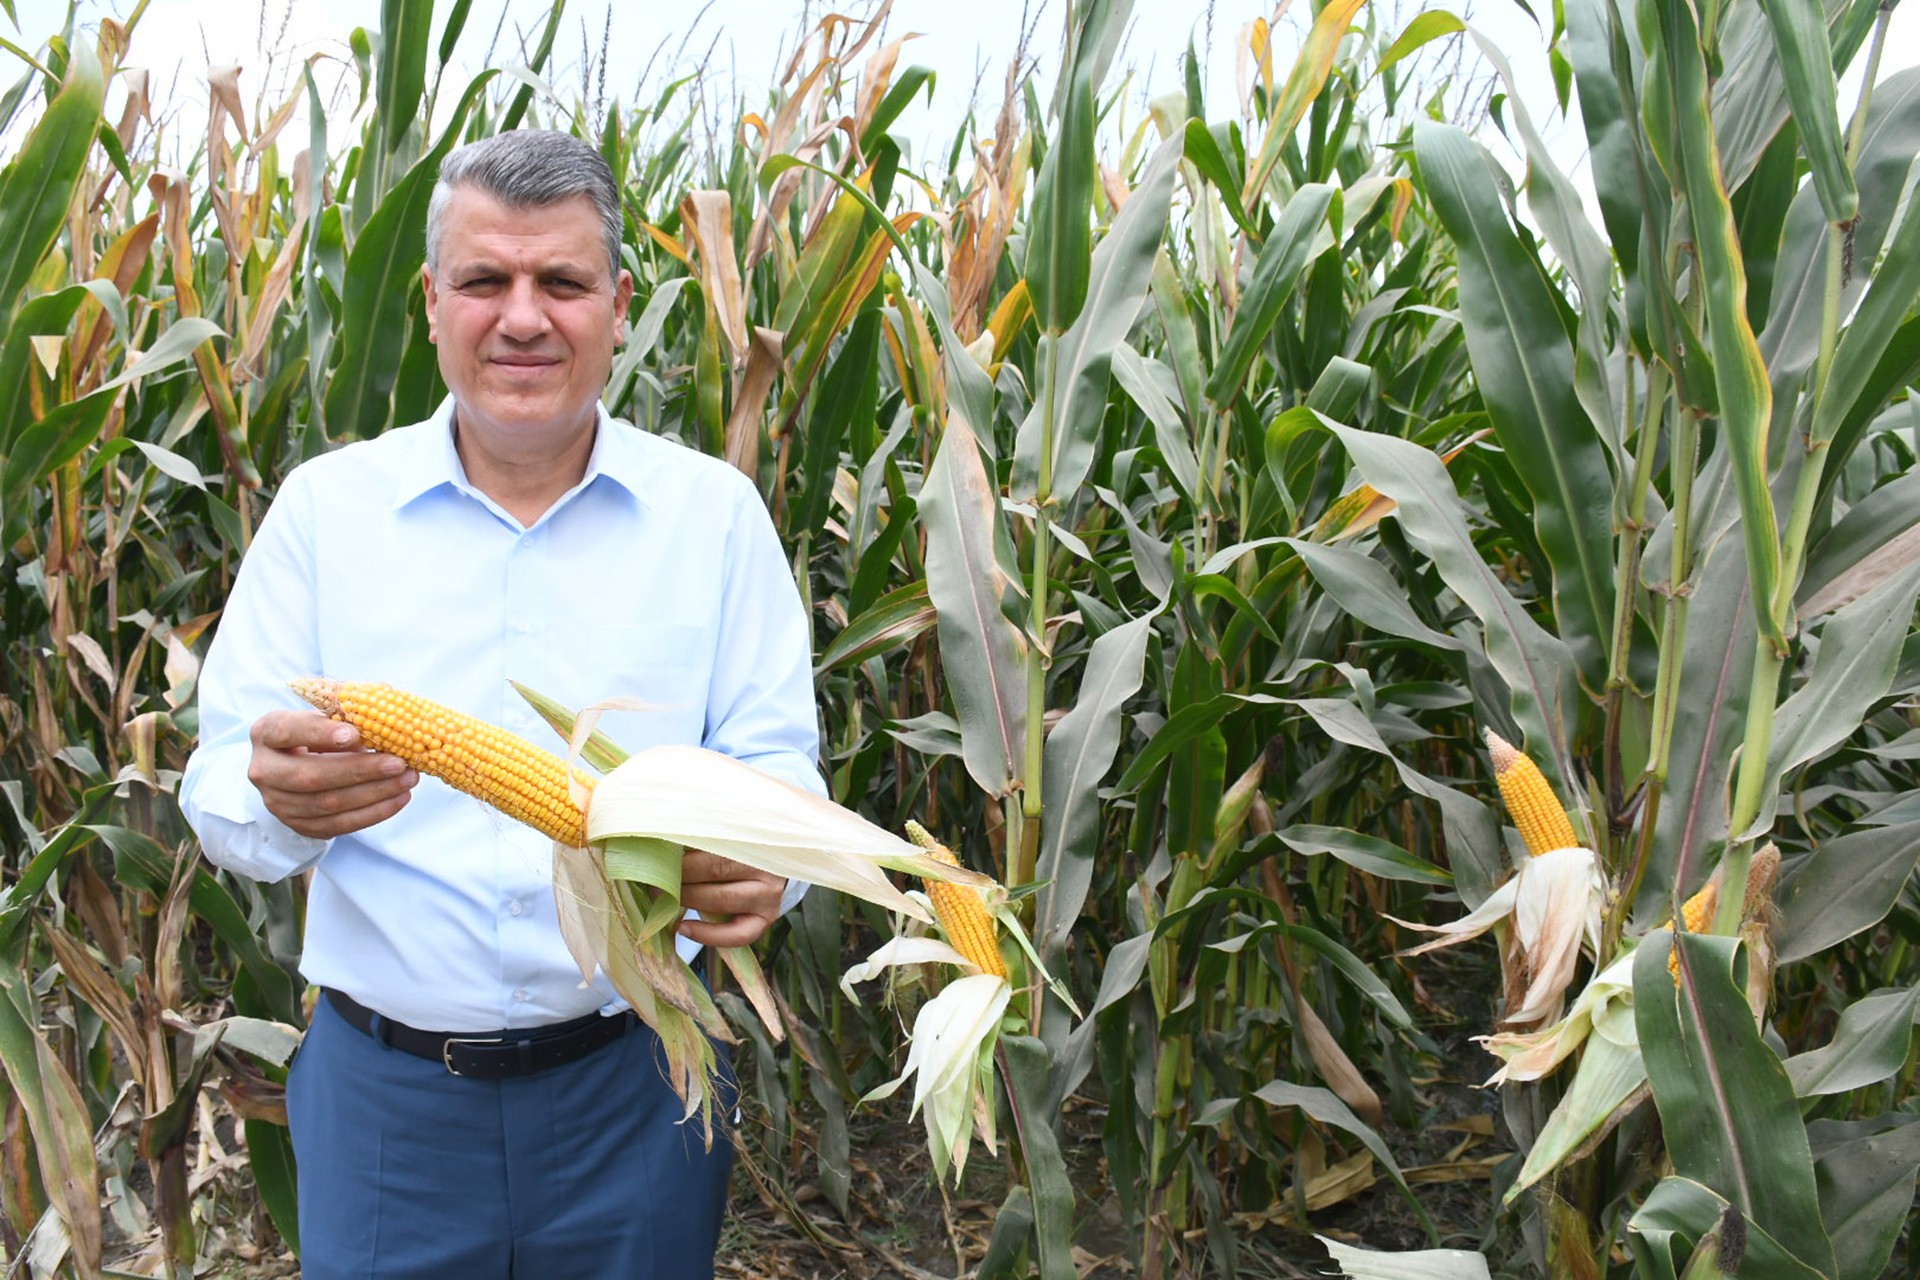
(267, 629)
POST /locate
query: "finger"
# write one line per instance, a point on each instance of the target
(339, 800)
(698, 866)
(271, 770)
(740, 931)
(350, 821)
(303, 730)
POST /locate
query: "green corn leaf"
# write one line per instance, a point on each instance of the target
(1362, 586)
(1806, 64)
(1866, 1173)
(381, 271)
(270, 1162)
(895, 619)
(56, 1116)
(1869, 1045)
(1890, 295)
(1080, 752)
(1208, 158)
(1681, 1212)
(450, 32)
(1846, 887)
(1136, 376)
(1303, 85)
(1059, 247)
(1537, 667)
(406, 33)
(1523, 364)
(50, 313)
(1859, 652)
(36, 190)
(1324, 1107)
(1740, 377)
(1726, 1105)
(1370, 854)
(1301, 227)
(982, 651)
(1116, 288)
(1417, 34)
(517, 109)
(1025, 1064)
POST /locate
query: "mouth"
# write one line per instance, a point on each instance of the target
(518, 364)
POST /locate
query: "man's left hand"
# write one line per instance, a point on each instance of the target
(736, 902)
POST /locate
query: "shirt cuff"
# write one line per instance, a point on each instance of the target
(238, 833)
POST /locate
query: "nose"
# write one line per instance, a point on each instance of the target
(522, 315)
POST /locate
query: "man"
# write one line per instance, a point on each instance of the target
(463, 1105)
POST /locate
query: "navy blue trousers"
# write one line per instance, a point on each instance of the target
(582, 1171)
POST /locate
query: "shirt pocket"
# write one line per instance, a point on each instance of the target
(666, 666)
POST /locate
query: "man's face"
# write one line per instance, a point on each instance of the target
(525, 315)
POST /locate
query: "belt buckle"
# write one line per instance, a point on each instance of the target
(446, 1049)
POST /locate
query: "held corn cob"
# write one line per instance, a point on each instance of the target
(468, 754)
(963, 917)
(1536, 810)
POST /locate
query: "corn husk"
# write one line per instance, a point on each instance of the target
(1553, 901)
(700, 799)
(950, 1059)
(619, 898)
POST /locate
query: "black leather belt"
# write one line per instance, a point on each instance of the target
(489, 1055)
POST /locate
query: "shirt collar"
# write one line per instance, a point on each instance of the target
(432, 461)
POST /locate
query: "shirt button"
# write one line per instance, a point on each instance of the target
(516, 907)
(523, 627)
(520, 993)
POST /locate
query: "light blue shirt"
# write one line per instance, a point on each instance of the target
(659, 576)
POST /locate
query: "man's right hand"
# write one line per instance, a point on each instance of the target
(317, 777)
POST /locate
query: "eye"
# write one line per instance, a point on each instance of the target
(479, 284)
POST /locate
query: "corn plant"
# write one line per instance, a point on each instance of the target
(1678, 566)
(1180, 491)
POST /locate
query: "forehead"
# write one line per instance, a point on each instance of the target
(477, 225)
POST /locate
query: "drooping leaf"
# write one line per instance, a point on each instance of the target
(1523, 364)
(981, 651)
(1079, 754)
(1537, 666)
(1869, 1045)
(1847, 886)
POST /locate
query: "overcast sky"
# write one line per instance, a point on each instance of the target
(739, 45)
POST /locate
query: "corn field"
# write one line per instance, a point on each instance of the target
(1191, 506)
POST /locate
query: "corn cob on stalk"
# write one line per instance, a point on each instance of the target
(1530, 800)
(1695, 917)
(468, 754)
(963, 917)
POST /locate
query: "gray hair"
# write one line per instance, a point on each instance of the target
(529, 169)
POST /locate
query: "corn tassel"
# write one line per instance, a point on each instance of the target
(468, 754)
(1530, 800)
(963, 917)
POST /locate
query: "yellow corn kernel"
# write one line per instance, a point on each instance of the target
(1695, 917)
(963, 916)
(485, 761)
(1535, 809)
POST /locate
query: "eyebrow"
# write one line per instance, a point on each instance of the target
(482, 267)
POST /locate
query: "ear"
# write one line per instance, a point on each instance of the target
(622, 299)
(433, 304)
